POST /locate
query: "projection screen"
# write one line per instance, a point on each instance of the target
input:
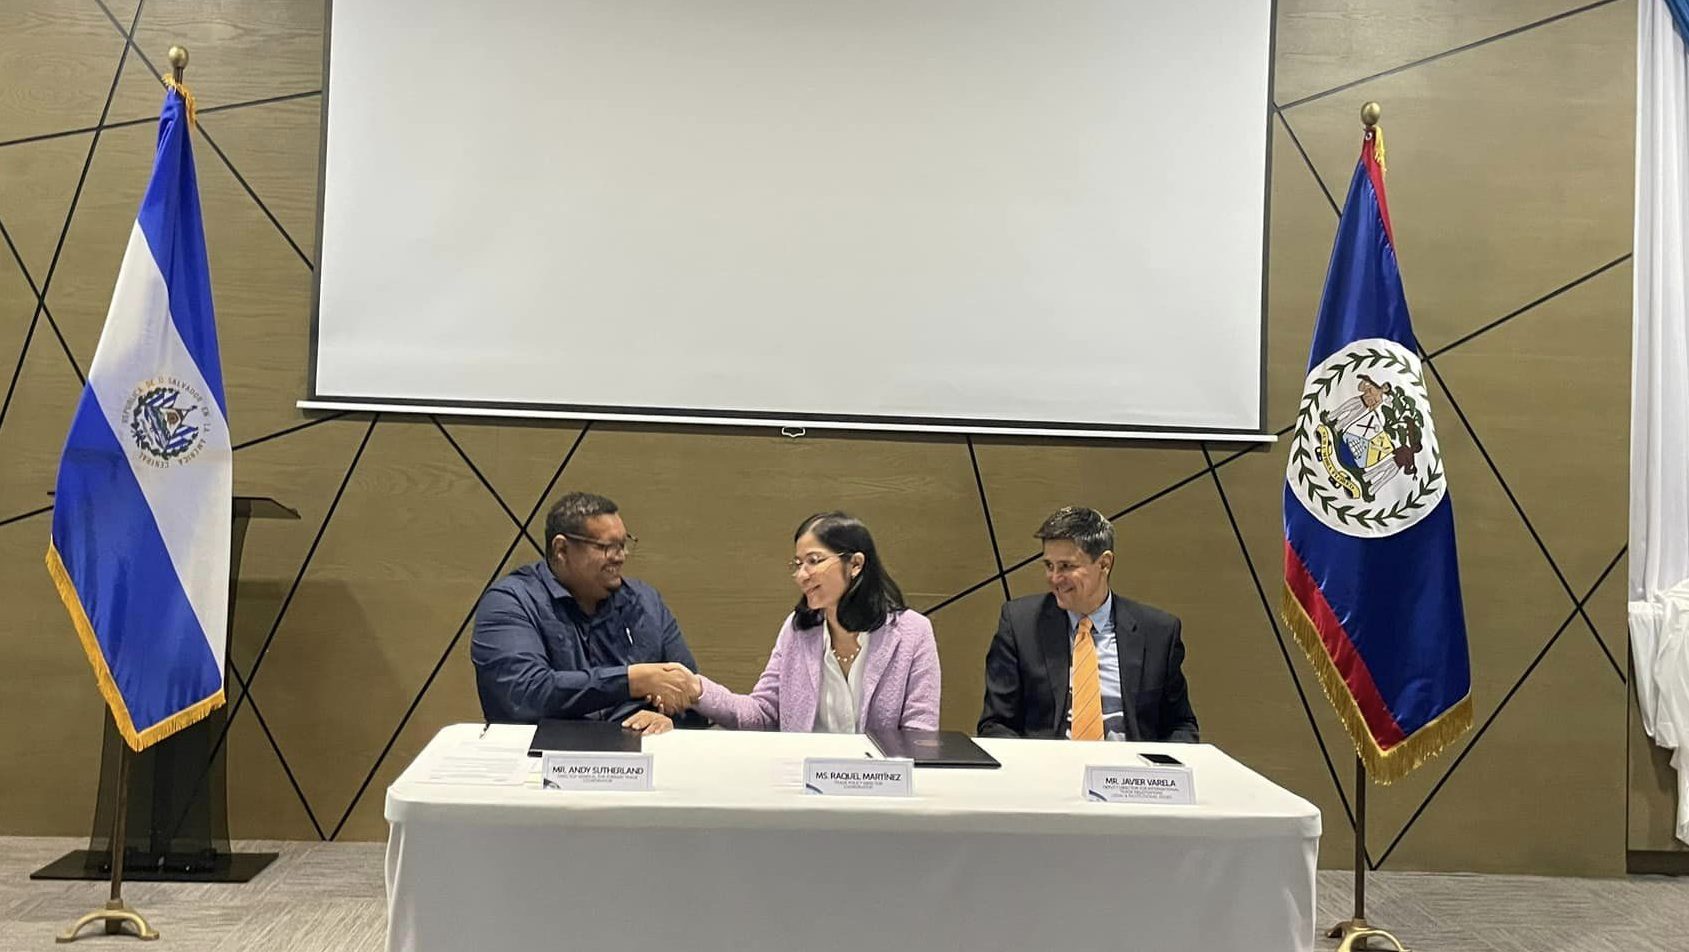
(1014, 216)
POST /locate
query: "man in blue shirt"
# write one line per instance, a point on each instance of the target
(1081, 661)
(569, 637)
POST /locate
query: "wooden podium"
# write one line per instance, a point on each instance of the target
(177, 827)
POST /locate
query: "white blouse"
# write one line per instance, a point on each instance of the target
(841, 696)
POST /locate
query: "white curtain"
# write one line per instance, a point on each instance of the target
(1659, 401)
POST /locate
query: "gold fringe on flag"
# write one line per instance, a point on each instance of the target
(181, 89)
(137, 740)
(1377, 147)
(1383, 766)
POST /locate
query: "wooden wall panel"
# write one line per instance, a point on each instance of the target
(1326, 43)
(1511, 164)
(59, 63)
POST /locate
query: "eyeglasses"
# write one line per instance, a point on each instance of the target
(812, 561)
(609, 550)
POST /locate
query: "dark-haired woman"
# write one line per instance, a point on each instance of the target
(850, 657)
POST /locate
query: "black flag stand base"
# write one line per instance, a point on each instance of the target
(116, 913)
(1356, 932)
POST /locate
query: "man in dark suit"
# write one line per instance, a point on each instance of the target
(1081, 661)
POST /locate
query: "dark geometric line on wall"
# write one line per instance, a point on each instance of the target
(6, 235)
(251, 193)
(290, 430)
(264, 725)
(287, 602)
(144, 120)
(1278, 637)
(29, 335)
(485, 484)
(41, 310)
(1463, 48)
(311, 552)
(1517, 684)
(70, 213)
(1492, 325)
(522, 532)
(17, 370)
(265, 101)
(1562, 289)
(1630, 672)
(1308, 161)
(1542, 547)
(58, 247)
(25, 515)
(949, 600)
(255, 441)
(990, 525)
(1134, 507)
(64, 345)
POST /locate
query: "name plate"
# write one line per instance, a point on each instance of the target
(859, 777)
(571, 770)
(1110, 784)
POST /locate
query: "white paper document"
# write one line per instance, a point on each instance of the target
(481, 765)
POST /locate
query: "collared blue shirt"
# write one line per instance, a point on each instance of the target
(537, 654)
(1108, 667)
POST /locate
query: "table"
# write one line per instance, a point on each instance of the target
(728, 852)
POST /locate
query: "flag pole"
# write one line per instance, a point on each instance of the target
(1356, 932)
(116, 912)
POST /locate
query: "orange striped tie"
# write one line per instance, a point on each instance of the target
(1087, 687)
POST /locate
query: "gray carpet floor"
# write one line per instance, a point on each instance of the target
(329, 897)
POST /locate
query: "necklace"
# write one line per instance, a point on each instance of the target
(844, 659)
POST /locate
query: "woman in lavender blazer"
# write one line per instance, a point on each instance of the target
(851, 657)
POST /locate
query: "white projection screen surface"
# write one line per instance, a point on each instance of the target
(1016, 216)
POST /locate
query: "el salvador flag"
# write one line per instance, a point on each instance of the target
(140, 547)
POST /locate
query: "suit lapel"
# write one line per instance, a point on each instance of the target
(807, 674)
(1057, 650)
(876, 657)
(1129, 646)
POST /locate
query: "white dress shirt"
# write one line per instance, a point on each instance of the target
(841, 695)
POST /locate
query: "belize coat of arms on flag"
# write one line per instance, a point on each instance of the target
(1363, 456)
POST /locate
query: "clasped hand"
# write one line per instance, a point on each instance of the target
(669, 687)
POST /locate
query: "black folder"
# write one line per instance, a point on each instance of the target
(597, 737)
(933, 748)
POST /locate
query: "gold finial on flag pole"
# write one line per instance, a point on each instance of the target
(1370, 113)
(178, 63)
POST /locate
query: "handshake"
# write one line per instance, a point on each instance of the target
(669, 686)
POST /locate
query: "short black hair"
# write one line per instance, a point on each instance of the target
(872, 597)
(1085, 527)
(568, 516)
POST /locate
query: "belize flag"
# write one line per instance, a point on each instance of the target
(140, 546)
(1371, 582)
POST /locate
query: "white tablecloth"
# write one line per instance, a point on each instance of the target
(728, 852)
